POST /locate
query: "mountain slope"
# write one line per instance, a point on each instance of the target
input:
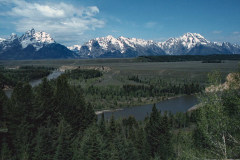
(183, 44)
(117, 47)
(188, 44)
(33, 45)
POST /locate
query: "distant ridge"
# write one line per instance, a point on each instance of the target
(188, 44)
(40, 45)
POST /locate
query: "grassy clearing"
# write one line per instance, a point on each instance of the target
(122, 68)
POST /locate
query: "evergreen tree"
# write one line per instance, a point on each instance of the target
(21, 126)
(44, 101)
(119, 148)
(44, 142)
(142, 145)
(166, 148)
(153, 131)
(3, 115)
(63, 143)
(71, 105)
(22, 103)
(91, 145)
(112, 129)
(102, 125)
(62, 96)
(131, 151)
(5, 152)
(158, 135)
(3, 106)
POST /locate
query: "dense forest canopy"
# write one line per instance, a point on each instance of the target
(54, 121)
(11, 76)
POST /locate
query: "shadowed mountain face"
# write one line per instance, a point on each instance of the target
(40, 45)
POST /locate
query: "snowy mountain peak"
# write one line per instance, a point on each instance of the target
(31, 32)
(187, 41)
(37, 39)
(193, 37)
(27, 35)
(33, 45)
(13, 36)
(121, 37)
(189, 34)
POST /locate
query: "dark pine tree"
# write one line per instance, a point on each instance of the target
(153, 131)
(44, 100)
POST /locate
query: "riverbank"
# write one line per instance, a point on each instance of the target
(107, 110)
(173, 105)
(54, 74)
(193, 108)
(151, 101)
(104, 111)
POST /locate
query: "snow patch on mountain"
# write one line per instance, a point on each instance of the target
(2, 39)
(75, 48)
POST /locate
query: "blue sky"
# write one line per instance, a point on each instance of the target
(76, 21)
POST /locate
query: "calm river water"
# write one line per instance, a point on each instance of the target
(174, 105)
(34, 83)
(178, 104)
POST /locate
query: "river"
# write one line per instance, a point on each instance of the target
(178, 104)
(34, 83)
(174, 105)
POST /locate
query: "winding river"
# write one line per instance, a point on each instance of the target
(174, 105)
(34, 83)
(178, 104)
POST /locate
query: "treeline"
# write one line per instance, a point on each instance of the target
(212, 61)
(144, 90)
(103, 97)
(83, 73)
(214, 58)
(11, 77)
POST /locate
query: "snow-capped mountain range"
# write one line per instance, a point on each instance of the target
(40, 45)
(33, 45)
(116, 47)
(189, 43)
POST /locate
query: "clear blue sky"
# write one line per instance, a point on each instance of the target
(76, 21)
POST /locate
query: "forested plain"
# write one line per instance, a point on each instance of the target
(56, 119)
